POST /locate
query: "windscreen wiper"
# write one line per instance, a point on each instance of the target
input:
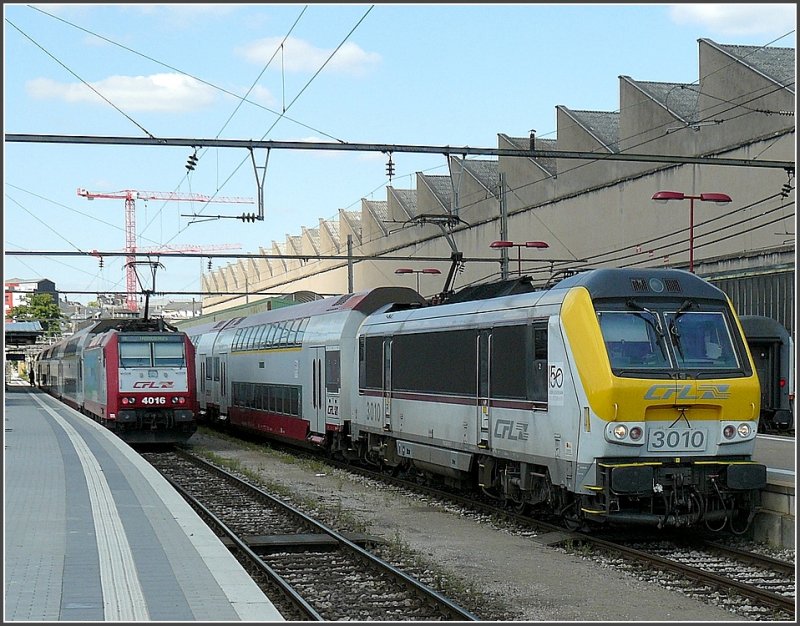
(656, 326)
(673, 329)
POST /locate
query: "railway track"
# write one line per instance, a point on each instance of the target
(762, 586)
(311, 572)
(750, 585)
(766, 585)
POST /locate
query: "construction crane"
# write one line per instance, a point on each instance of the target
(130, 196)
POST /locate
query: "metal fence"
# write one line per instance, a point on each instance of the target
(769, 294)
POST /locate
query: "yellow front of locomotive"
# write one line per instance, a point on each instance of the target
(670, 400)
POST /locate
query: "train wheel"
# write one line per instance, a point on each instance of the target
(740, 519)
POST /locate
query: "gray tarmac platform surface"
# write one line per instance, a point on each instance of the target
(94, 533)
(779, 454)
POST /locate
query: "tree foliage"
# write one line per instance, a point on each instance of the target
(40, 307)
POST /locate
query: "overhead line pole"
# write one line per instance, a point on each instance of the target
(389, 148)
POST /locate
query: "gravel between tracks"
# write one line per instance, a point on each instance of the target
(532, 582)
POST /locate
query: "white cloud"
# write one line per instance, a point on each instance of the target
(262, 96)
(301, 56)
(167, 93)
(738, 19)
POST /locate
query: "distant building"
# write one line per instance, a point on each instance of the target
(77, 313)
(22, 334)
(17, 291)
(180, 310)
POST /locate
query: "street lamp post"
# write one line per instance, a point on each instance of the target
(665, 196)
(518, 246)
(407, 270)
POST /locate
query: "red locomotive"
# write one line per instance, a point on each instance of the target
(136, 377)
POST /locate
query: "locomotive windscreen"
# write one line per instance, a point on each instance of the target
(152, 351)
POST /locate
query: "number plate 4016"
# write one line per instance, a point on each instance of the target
(676, 440)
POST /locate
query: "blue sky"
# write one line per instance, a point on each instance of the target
(427, 74)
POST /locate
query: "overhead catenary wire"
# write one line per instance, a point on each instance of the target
(294, 100)
(86, 83)
(298, 94)
(183, 72)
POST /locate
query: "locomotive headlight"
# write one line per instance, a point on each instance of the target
(124, 400)
(627, 434)
(733, 433)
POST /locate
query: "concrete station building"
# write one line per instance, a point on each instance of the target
(596, 212)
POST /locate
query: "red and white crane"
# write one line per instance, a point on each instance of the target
(130, 196)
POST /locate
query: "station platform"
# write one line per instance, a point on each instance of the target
(94, 533)
(776, 521)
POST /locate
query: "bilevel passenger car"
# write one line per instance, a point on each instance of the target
(136, 377)
(773, 354)
(617, 396)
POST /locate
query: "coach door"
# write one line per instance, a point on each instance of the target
(223, 383)
(482, 405)
(219, 386)
(317, 389)
(765, 362)
(202, 387)
(387, 384)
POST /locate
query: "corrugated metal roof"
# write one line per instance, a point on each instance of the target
(379, 208)
(407, 199)
(313, 234)
(524, 143)
(777, 63)
(603, 124)
(679, 98)
(441, 187)
(485, 170)
(296, 241)
(333, 229)
(354, 217)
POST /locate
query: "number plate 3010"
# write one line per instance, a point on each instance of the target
(676, 440)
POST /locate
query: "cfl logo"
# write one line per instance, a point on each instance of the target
(152, 384)
(684, 392)
(511, 430)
